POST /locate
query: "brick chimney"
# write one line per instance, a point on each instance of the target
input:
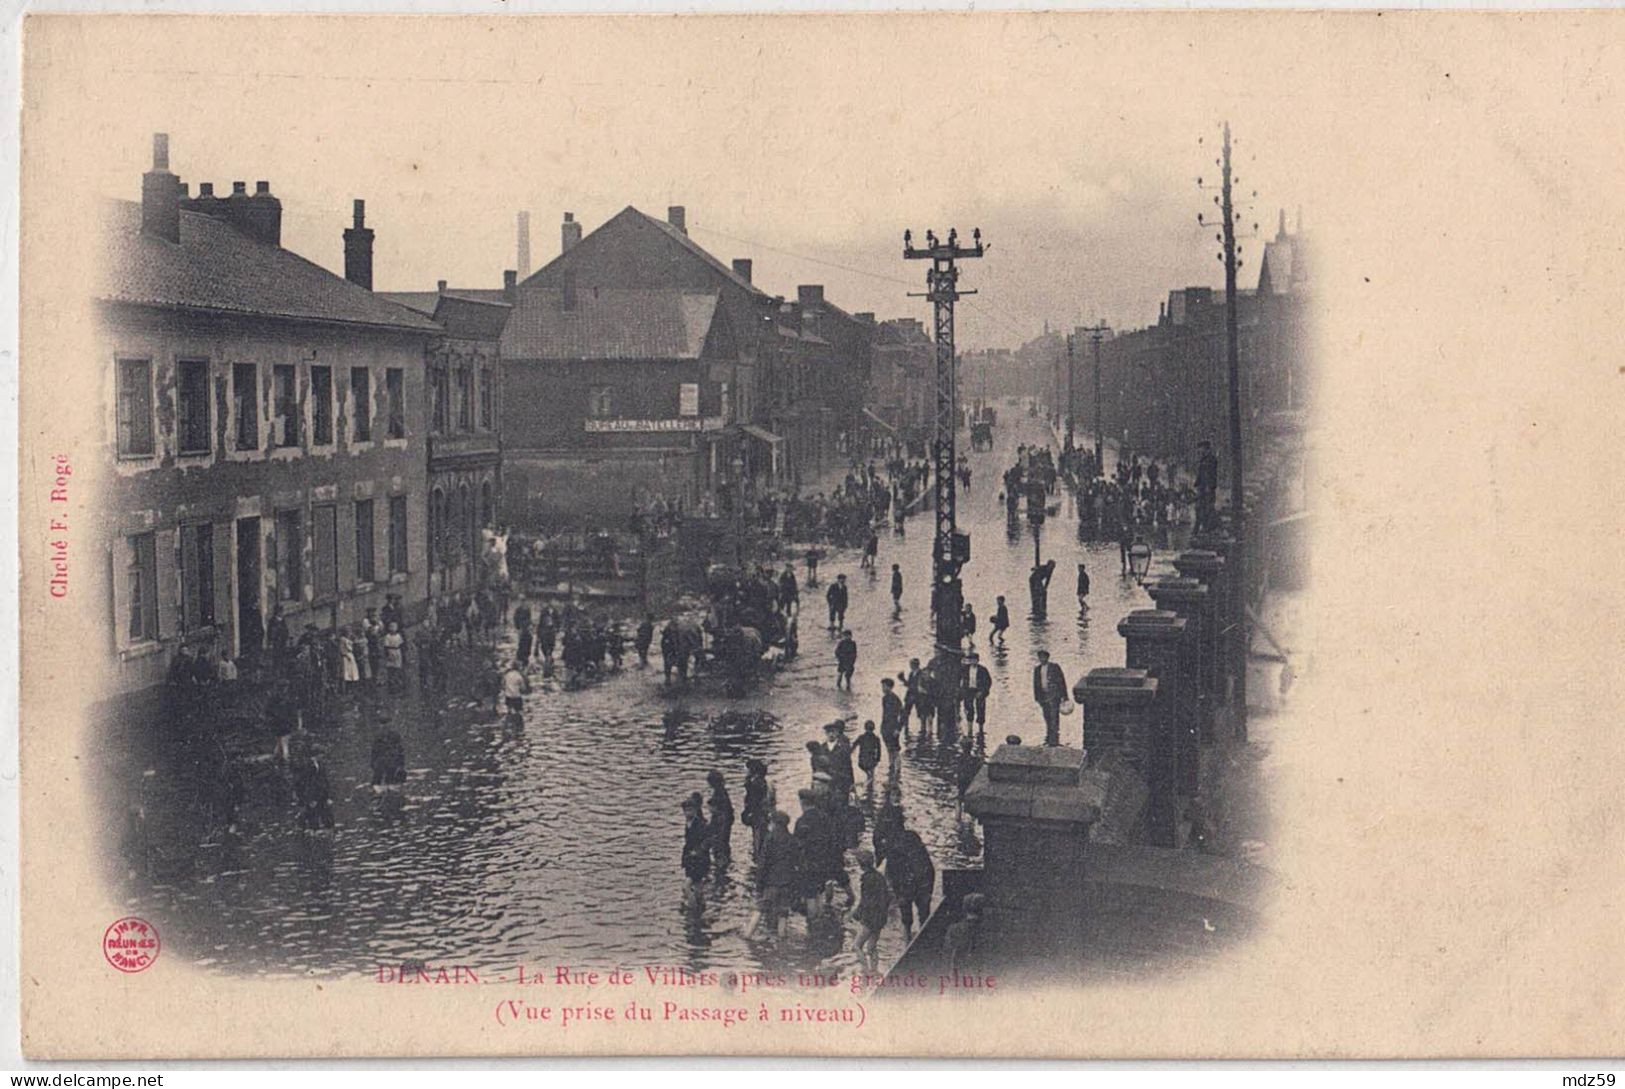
(810, 296)
(258, 216)
(510, 285)
(161, 194)
(262, 215)
(358, 249)
(677, 216)
(571, 232)
(742, 268)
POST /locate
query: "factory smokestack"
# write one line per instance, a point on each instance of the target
(523, 256)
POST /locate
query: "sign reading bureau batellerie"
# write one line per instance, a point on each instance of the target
(689, 423)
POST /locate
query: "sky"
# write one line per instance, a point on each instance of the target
(805, 144)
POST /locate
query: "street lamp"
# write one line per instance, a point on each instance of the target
(1139, 561)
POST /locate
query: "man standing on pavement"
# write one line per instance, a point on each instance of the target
(896, 589)
(1207, 484)
(1049, 690)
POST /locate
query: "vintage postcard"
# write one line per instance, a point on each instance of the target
(1045, 535)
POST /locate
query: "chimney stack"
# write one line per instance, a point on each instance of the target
(262, 216)
(742, 268)
(440, 287)
(571, 232)
(810, 295)
(161, 194)
(358, 249)
(510, 286)
(677, 216)
(523, 256)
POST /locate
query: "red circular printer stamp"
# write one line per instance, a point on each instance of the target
(131, 944)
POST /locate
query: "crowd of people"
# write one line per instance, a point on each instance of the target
(801, 868)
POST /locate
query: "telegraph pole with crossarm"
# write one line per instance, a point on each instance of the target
(950, 549)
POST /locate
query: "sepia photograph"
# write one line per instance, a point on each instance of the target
(795, 517)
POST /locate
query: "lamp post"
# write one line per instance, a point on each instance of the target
(1069, 411)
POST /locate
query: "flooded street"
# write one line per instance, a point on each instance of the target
(560, 843)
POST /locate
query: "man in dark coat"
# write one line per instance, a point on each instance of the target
(846, 660)
(893, 717)
(1049, 690)
(1207, 484)
(978, 682)
(778, 874)
(1038, 584)
(913, 876)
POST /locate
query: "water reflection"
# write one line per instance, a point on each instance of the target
(558, 838)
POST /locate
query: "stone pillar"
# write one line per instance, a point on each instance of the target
(1189, 598)
(1157, 644)
(1117, 707)
(1036, 805)
(1208, 568)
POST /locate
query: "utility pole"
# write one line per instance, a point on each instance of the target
(1237, 573)
(950, 549)
(1096, 332)
(1070, 430)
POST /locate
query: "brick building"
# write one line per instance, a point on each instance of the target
(634, 364)
(463, 375)
(257, 421)
(616, 396)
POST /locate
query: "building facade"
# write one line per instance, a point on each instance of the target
(634, 363)
(462, 424)
(258, 417)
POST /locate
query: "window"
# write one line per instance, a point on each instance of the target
(600, 405)
(192, 405)
(365, 558)
(321, 409)
(290, 544)
(143, 576)
(688, 399)
(286, 410)
(325, 551)
(245, 401)
(197, 576)
(135, 407)
(465, 399)
(442, 400)
(397, 533)
(361, 403)
(395, 388)
(487, 407)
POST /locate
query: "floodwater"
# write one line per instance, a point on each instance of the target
(559, 843)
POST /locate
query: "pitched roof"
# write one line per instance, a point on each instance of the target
(610, 323)
(682, 239)
(424, 302)
(218, 269)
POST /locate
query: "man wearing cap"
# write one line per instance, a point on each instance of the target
(1049, 690)
(839, 751)
(846, 660)
(978, 682)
